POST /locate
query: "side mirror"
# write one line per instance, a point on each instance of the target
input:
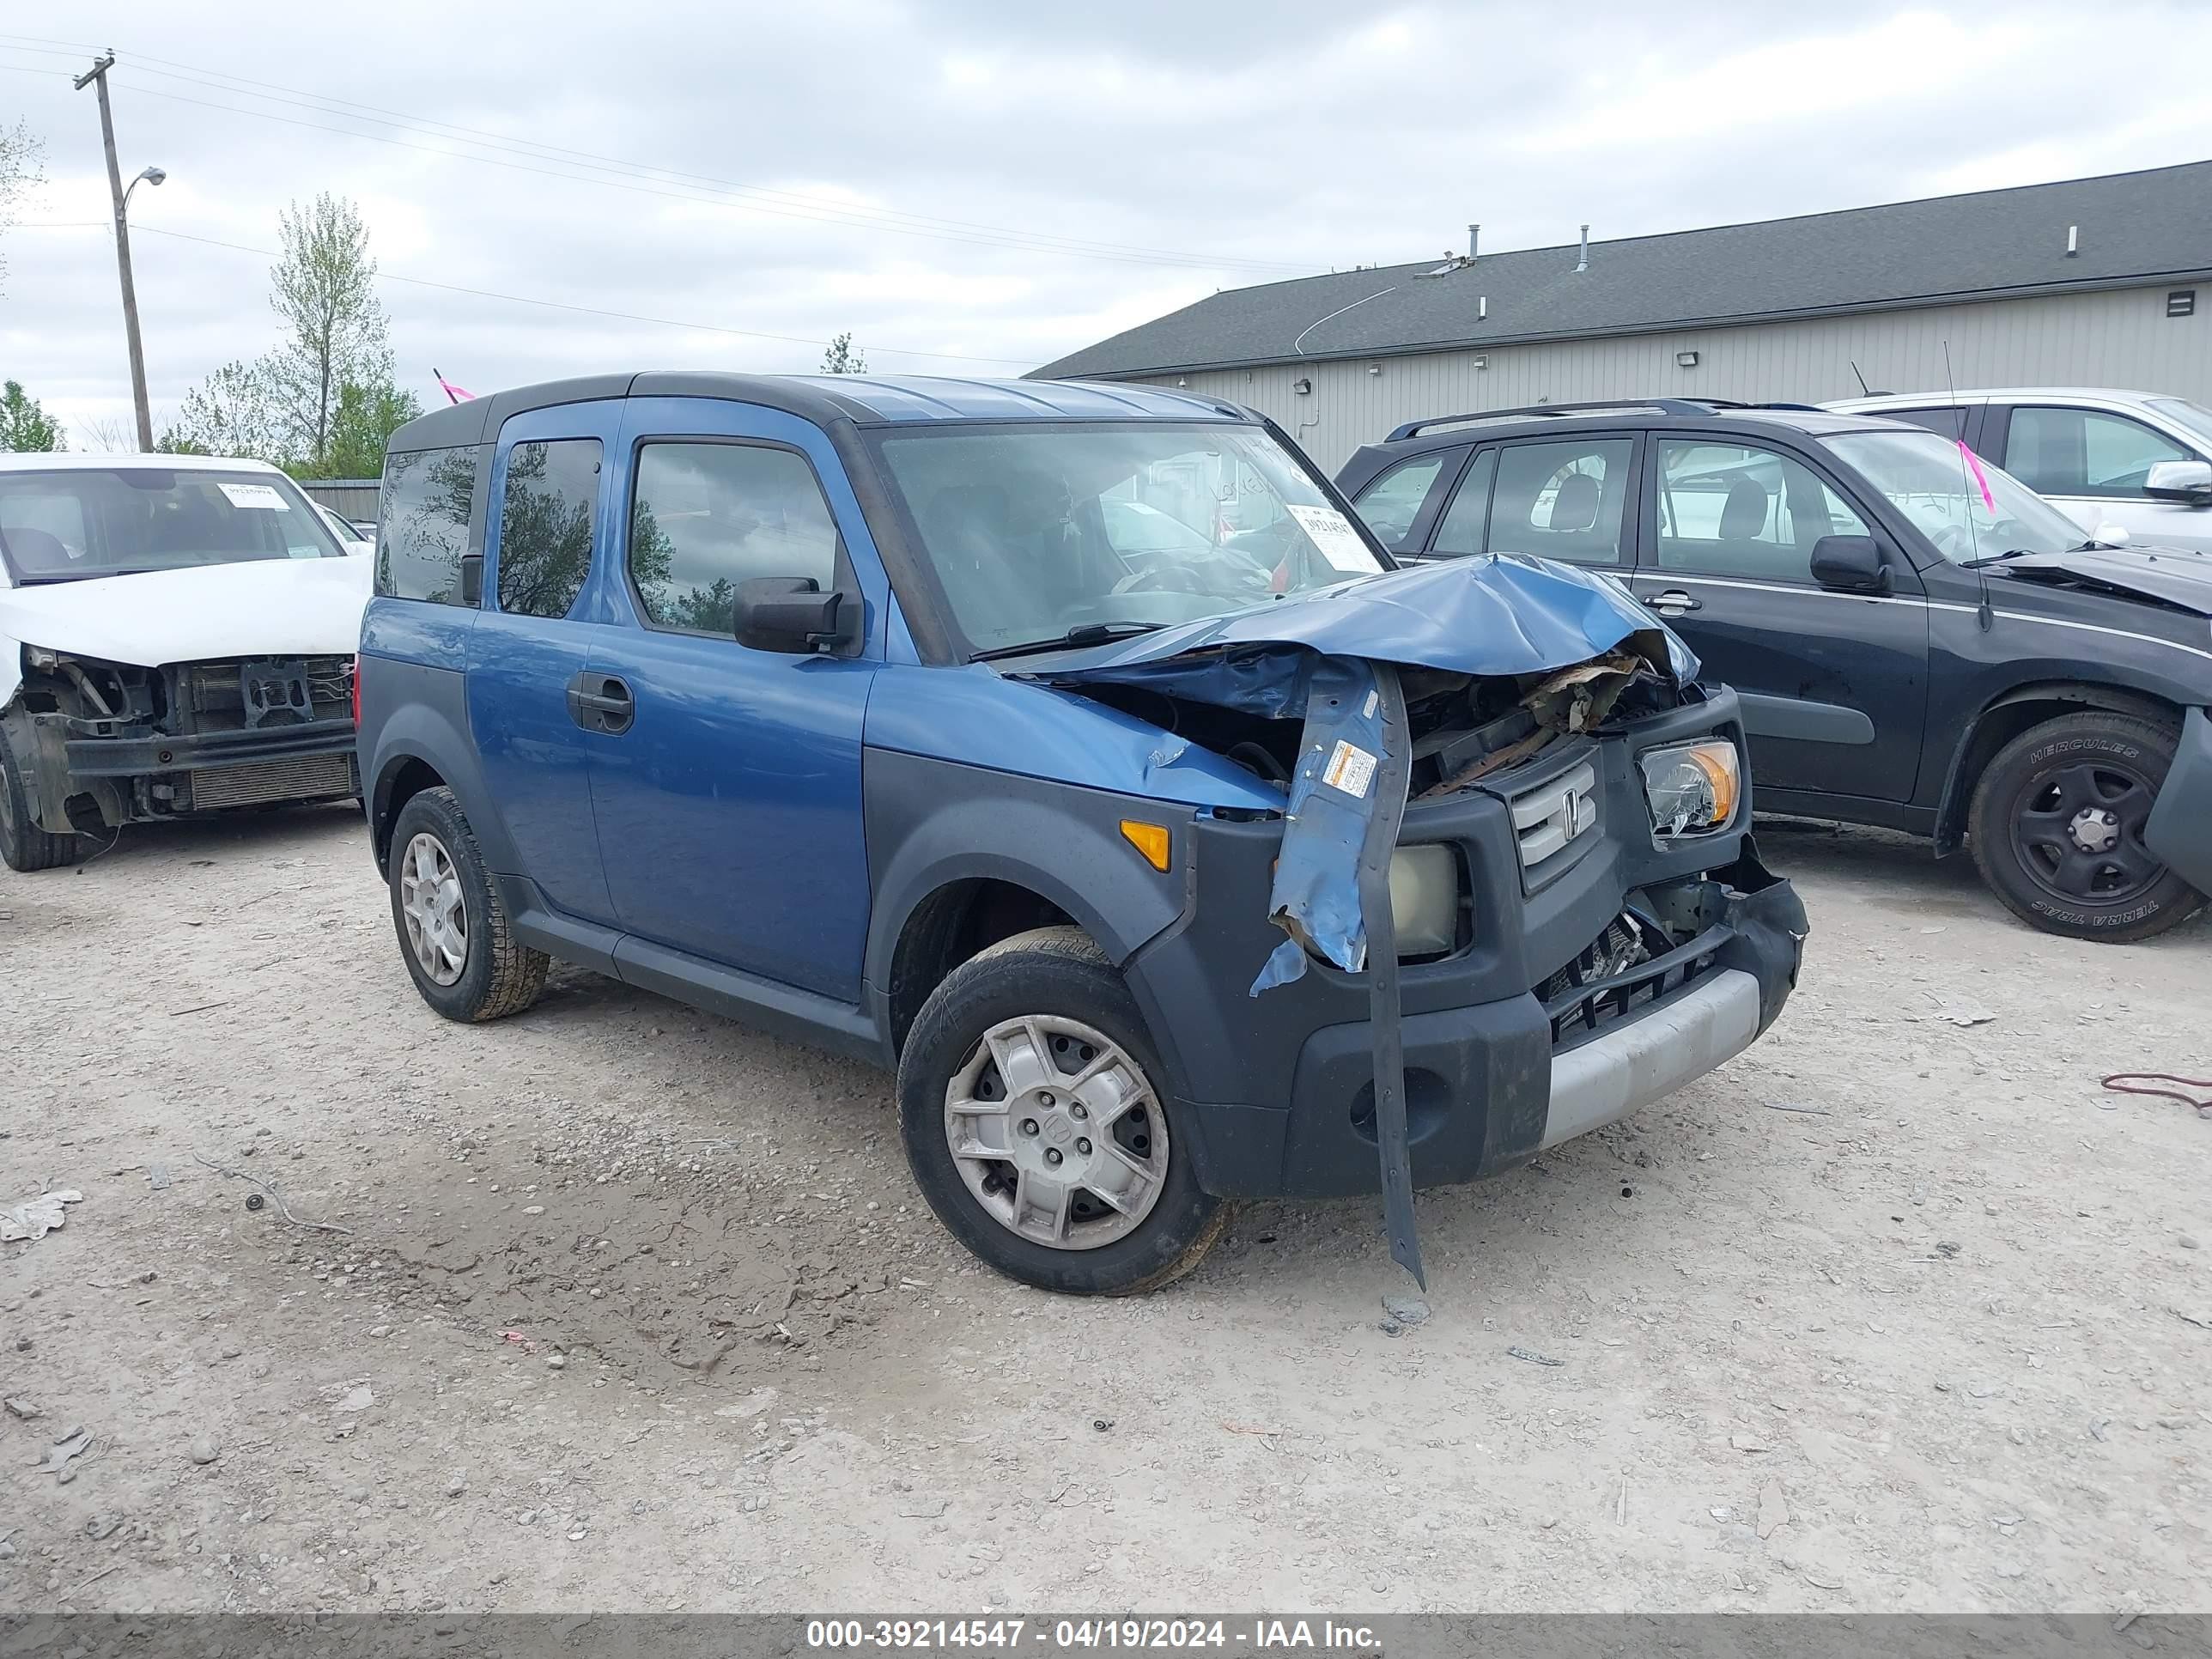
(786, 614)
(1852, 564)
(2187, 482)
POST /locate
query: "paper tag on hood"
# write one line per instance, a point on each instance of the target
(264, 496)
(1339, 542)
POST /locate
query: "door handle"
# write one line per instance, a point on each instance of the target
(601, 703)
(1673, 603)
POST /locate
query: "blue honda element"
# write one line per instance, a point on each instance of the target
(1071, 751)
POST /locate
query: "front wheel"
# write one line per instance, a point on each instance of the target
(2056, 828)
(23, 845)
(1031, 1104)
(455, 935)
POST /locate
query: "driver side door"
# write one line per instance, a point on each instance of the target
(1834, 686)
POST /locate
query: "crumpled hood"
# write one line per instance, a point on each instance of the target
(261, 608)
(1491, 614)
(2178, 575)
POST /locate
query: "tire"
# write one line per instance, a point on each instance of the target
(495, 976)
(2056, 829)
(1063, 1003)
(23, 845)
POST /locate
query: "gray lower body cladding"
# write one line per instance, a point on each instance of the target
(2178, 831)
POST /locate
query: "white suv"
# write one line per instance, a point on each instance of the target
(2131, 460)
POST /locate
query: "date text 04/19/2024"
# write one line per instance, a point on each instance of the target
(1003, 1635)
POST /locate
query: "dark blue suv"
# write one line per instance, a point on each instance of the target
(1070, 749)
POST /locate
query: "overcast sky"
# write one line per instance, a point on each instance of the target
(997, 182)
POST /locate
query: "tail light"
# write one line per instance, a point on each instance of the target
(356, 690)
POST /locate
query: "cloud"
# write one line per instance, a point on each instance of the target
(997, 182)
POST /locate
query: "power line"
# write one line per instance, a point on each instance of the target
(754, 198)
(549, 304)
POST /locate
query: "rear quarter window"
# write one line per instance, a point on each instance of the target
(423, 525)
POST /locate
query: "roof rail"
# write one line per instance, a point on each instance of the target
(1664, 405)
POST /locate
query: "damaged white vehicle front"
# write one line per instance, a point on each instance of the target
(177, 637)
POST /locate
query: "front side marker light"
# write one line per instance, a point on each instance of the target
(1692, 786)
(1149, 839)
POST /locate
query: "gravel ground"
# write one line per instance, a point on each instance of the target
(638, 1310)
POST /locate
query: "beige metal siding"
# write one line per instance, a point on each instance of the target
(2122, 338)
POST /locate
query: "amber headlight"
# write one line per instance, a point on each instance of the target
(1692, 786)
(1425, 900)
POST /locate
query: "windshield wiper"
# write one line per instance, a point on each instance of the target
(41, 578)
(1999, 558)
(1082, 634)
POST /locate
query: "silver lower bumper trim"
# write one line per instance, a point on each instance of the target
(1652, 1055)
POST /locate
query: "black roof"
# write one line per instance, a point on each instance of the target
(2133, 226)
(863, 399)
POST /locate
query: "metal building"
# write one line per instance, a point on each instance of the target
(2095, 282)
(349, 498)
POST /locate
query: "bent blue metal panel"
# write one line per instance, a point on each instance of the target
(1316, 895)
(1489, 614)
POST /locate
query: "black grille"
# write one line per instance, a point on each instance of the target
(1616, 973)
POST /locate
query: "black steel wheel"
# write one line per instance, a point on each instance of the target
(2057, 825)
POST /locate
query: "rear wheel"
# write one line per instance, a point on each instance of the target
(23, 844)
(455, 935)
(2056, 827)
(1031, 1104)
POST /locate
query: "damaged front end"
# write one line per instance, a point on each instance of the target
(1374, 708)
(103, 744)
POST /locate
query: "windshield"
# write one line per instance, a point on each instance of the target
(1967, 507)
(2192, 418)
(1038, 534)
(63, 526)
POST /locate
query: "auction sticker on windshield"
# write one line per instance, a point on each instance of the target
(264, 496)
(1339, 542)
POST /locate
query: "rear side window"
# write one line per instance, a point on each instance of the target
(1562, 501)
(545, 513)
(1950, 422)
(422, 528)
(709, 516)
(1392, 501)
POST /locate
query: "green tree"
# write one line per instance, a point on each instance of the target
(24, 425)
(21, 154)
(843, 358)
(236, 411)
(363, 420)
(323, 290)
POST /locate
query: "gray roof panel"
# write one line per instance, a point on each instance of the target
(2133, 227)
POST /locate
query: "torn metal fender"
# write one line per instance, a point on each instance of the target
(1494, 614)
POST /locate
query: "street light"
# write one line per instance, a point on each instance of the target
(97, 76)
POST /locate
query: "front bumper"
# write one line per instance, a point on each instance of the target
(155, 777)
(2175, 831)
(1278, 1090)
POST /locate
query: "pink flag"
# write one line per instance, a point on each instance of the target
(453, 394)
(1973, 461)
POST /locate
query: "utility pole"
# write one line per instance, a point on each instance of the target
(97, 76)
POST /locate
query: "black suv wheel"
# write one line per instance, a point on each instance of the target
(455, 936)
(23, 844)
(2056, 828)
(1036, 1119)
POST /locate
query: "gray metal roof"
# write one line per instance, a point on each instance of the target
(2133, 227)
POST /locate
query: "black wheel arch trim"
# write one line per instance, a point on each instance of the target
(1963, 774)
(932, 823)
(416, 732)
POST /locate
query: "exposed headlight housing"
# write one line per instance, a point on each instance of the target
(1425, 900)
(1692, 786)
